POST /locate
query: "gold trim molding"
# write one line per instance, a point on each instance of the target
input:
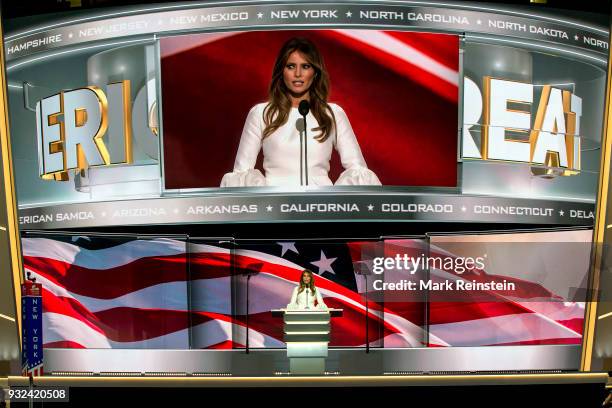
(599, 232)
(12, 227)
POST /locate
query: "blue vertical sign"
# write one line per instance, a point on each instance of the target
(32, 336)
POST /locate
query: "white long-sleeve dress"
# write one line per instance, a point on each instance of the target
(306, 300)
(282, 151)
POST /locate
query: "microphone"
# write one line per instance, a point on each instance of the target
(304, 108)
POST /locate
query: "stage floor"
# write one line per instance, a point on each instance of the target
(581, 390)
(311, 381)
(355, 361)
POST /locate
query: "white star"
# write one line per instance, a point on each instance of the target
(561, 213)
(70, 35)
(479, 22)
(324, 264)
(269, 208)
(370, 207)
(288, 246)
(259, 15)
(576, 37)
(463, 209)
(175, 210)
(349, 14)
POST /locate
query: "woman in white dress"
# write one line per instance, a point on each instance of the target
(277, 127)
(306, 294)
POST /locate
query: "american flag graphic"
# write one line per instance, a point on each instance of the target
(531, 314)
(162, 293)
(35, 372)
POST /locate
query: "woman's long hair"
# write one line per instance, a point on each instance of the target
(311, 285)
(277, 110)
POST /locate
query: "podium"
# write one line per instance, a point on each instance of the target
(306, 332)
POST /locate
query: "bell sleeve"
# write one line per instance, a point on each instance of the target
(245, 174)
(293, 302)
(320, 303)
(356, 170)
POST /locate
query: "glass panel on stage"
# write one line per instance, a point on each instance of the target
(394, 286)
(349, 277)
(212, 301)
(104, 291)
(270, 270)
(521, 288)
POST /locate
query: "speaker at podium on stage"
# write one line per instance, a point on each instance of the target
(306, 296)
(307, 327)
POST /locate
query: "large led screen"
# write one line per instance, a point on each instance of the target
(491, 289)
(383, 109)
